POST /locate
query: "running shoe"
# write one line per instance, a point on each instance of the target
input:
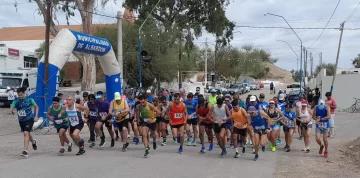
(24, 154)
(300, 138)
(70, 147)
(128, 136)
(137, 141)
(222, 153)
(124, 148)
(81, 142)
(146, 152)
(236, 155)
(89, 141)
(307, 150)
(211, 147)
(326, 155)
(62, 151)
(175, 142)
(273, 149)
(225, 152)
(180, 151)
(163, 144)
(188, 142)
(81, 151)
(263, 148)
(203, 149)
(286, 146)
(194, 143)
(321, 149)
(117, 138)
(154, 145)
(92, 145)
(34, 145)
(288, 149)
(304, 149)
(231, 145)
(243, 150)
(253, 150)
(102, 143)
(278, 142)
(256, 157)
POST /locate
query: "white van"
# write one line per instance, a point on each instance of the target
(14, 79)
(293, 86)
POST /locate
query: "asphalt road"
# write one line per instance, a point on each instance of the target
(110, 162)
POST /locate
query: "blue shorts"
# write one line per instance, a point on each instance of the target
(115, 124)
(275, 126)
(321, 131)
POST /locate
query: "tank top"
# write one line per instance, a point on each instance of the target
(73, 116)
(274, 116)
(212, 99)
(305, 116)
(258, 122)
(163, 110)
(146, 113)
(219, 113)
(240, 121)
(177, 114)
(92, 111)
(322, 113)
(203, 113)
(117, 108)
(58, 121)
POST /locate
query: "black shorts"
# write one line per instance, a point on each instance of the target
(123, 123)
(65, 127)
(305, 127)
(298, 123)
(218, 128)
(163, 120)
(79, 127)
(287, 129)
(26, 126)
(271, 88)
(192, 121)
(158, 120)
(151, 126)
(177, 126)
(105, 122)
(207, 125)
(260, 131)
(242, 132)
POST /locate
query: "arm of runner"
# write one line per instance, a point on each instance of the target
(282, 117)
(36, 109)
(12, 107)
(111, 107)
(155, 109)
(185, 112)
(333, 104)
(198, 116)
(210, 114)
(265, 116)
(83, 108)
(126, 111)
(137, 114)
(48, 114)
(314, 115)
(328, 115)
(310, 111)
(228, 113)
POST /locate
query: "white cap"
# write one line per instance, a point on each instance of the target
(252, 98)
(8, 88)
(321, 102)
(281, 96)
(148, 91)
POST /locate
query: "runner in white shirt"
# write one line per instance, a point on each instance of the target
(304, 116)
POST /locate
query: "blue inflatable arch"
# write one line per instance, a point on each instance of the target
(65, 42)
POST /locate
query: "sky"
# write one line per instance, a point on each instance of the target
(299, 14)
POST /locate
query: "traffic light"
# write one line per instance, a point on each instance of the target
(145, 56)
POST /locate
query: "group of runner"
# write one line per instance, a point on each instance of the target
(232, 121)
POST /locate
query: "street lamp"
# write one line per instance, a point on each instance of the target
(140, 46)
(301, 47)
(297, 66)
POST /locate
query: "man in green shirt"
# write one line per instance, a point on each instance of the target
(212, 97)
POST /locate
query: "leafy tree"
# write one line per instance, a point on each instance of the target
(356, 61)
(40, 51)
(296, 75)
(330, 69)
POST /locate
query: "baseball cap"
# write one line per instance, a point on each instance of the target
(117, 96)
(99, 94)
(251, 109)
(252, 98)
(288, 105)
(281, 97)
(321, 102)
(304, 103)
(213, 91)
(148, 91)
(262, 95)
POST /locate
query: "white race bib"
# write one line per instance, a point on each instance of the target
(92, 113)
(59, 121)
(323, 125)
(74, 121)
(178, 115)
(259, 127)
(21, 113)
(101, 114)
(146, 119)
(239, 124)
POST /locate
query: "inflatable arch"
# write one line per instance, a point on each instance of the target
(65, 42)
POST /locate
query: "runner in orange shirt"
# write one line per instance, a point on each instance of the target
(241, 119)
(177, 113)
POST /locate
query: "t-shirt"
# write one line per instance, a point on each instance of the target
(24, 108)
(264, 105)
(77, 97)
(103, 107)
(131, 103)
(331, 102)
(191, 107)
(281, 105)
(150, 99)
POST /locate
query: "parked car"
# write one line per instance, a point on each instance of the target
(261, 85)
(293, 96)
(247, 87)
(235, 88)
(254, 86)
(293, 86)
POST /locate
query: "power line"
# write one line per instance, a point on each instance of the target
(353, 12)
(326, 24)
(95, 13)
(299, 28)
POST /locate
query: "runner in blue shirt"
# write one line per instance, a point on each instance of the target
(289, 126)
(264, 105)
(192, 119)
(322, 115)
(26, 117)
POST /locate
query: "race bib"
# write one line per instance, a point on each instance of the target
(74, 121)
(92, 113)
(274, 121)
(146, 119)
(101, 114)
(239, 124)
(59, 121)
(323, 125)
(21, 113)
(259, 127)
(178, 115)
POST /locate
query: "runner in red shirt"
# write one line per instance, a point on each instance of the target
(205, 123)
(177, 113)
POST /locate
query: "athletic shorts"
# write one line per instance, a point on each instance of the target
(177, 126)
(241, 132)
(65, 127)
(332, 120)
(218, 128)
(151, 126)
(305, 127)
(157, 120)
(298, 122)
(260, 130)
(207, 125)
(192, 121)
(163, 120)
(322, 131)
(26, 126)
(124, 123)
(287, 129)
(79, 127)
(105, 122)
(275, 126)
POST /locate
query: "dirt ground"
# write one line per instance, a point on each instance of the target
(352, 153)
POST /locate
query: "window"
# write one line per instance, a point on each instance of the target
(30, 62)
(25, 83)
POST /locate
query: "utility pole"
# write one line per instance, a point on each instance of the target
(180, 73)
(206, 60)
(320, 58)
(311, 65)
(47, 40)
(337, 56)
(120, 49)
(304, 74)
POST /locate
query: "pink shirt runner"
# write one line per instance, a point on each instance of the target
(331, 102)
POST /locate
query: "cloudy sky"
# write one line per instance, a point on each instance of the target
(299, 13)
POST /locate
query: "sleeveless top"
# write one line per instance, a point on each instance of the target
(322, 113)
(92, 111)
(219, 113)
(146, 113)
(58, 121)
(117, 108)
(305, 116)
(212, 99)
(73, 116)
(258, 122)
(163, 109)
(177, 114)
(274, 116)
(203, 113)
(240, 121)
